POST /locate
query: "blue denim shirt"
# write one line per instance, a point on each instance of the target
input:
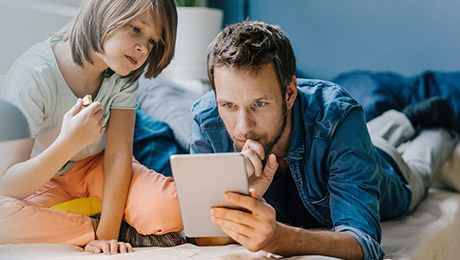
(342, 179)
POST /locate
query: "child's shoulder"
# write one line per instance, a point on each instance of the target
(37, 59)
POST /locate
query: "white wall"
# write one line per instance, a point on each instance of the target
(26, 22)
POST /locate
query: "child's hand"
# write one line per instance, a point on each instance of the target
(111, 247)
(82, 127)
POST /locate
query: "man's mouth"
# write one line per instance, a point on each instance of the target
(131, 60)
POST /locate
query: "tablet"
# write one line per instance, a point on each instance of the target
(202, 181)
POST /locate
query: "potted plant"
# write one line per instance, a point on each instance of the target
(188, 3)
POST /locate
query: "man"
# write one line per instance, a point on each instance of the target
(319, 185)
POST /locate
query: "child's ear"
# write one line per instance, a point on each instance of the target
(291, 92)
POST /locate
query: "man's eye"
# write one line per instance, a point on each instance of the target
(136, 29)
(260, 104)
(229, 105)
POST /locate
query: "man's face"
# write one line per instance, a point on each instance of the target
(251, 105)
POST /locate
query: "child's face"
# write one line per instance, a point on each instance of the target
(128, 48)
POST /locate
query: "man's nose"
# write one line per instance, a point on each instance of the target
(245, 122)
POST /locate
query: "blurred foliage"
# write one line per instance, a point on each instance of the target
(188, 3)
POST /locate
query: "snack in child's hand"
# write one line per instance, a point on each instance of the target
(87, 100)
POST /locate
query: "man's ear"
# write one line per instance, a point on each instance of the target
(291, 92)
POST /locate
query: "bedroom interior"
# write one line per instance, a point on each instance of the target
(386, 54)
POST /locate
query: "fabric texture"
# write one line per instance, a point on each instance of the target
(35, 85)
(154, 143)
(422, 158)
(381, 91)
(166, 101)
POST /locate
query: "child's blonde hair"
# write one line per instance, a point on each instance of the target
(98, 19)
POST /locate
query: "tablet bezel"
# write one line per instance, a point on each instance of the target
(202, 181)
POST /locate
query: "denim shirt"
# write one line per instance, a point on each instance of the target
(337, 171)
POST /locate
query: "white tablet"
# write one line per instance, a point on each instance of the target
(202, 181)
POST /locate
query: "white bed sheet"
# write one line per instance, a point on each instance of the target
(431, 232)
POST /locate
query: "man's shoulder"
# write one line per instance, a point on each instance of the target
(325, 94)
(323, 105)
(205, 109)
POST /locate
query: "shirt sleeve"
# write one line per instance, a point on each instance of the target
(23, 91)
(354, 184)
(200, 142)
(126, 97)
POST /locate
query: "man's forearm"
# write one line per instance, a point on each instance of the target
(291, 241)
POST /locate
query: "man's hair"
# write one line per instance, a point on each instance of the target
(251, 45)
(99, 19)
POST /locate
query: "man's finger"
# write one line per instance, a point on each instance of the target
(271, 166)
(253, 162)
(243, 201)
(256, 147)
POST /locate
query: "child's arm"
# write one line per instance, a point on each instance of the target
(17, 169)
(117, 172)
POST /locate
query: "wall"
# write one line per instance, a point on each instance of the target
(26, 22)
(334, 36)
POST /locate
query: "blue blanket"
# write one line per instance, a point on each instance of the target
(380, 91)
(154, 143)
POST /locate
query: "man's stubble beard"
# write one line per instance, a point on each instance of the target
(268, 147)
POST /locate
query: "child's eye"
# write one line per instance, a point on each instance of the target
(152, 41)
(136, 29)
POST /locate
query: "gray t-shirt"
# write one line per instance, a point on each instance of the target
(35, 85)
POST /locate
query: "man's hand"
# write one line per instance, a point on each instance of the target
(254, 229)
(260, 177)
(107, 247)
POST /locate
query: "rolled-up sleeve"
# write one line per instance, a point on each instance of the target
(371, 248)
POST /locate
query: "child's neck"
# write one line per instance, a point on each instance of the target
(84, 80)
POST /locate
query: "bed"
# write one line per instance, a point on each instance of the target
(163, 118)
(163, 126)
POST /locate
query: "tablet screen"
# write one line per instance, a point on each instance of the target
(202, 181)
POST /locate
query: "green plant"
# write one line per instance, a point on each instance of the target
(188, 3)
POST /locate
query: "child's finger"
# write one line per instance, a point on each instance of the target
(76, 108)
(113, 247)
(129, 247)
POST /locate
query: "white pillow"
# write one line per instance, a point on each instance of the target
(2, 78)
(450, 172)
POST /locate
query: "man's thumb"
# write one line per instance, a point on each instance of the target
(272, 164)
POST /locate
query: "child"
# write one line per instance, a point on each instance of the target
(78, 152)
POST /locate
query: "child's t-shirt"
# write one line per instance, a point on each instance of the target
(35, 85)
